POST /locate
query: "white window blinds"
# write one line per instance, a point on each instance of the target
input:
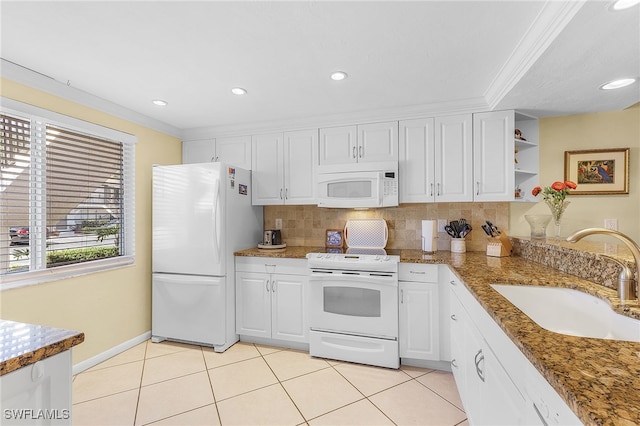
(67, 197)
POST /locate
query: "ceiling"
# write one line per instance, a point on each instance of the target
(404, 58)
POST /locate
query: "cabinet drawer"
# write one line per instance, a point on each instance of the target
(271, 265)
(418, 272)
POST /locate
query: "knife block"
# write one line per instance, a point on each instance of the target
(499, 246)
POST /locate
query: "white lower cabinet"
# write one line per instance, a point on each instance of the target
(271, 298)
(497, 383)
(419, 312)
(38, 394)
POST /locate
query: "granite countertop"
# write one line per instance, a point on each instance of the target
(24, 344)
(597, 378)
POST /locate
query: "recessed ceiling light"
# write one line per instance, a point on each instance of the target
(238, 91)
(617, 84)
(338, 75)
(624, 4)
(160, 102)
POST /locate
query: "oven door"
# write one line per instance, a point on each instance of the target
(358, 303)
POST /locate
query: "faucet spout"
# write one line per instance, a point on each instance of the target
(626, 285)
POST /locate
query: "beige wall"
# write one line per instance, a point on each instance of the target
(614, 129)
(109, 307)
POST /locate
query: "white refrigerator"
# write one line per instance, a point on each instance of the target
(202, 213)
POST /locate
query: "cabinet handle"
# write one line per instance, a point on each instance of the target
(478, 359)
(453, 363)
(431, 189)
(418, 272)
(286, 193)
(281, 193)
(453, 317)
(535, 407)
(438, 191)
(452, 282)
(213, 159)
(401, 296)
(267, 285)
(355, 152)
(361, 151)
(273, 286)
(477, 188)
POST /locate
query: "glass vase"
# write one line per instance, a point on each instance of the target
(538, 224)
(557, 207)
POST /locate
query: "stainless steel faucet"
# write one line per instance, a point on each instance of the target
(626, 286)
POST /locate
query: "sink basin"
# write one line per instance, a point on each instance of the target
(571, 312)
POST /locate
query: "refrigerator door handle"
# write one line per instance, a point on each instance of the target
(216, 217)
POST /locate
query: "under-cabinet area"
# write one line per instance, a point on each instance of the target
(507, 369)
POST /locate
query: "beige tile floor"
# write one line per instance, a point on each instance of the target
(177, 384)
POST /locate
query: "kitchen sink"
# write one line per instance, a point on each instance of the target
(570, 312)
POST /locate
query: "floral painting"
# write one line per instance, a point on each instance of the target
(598, 171)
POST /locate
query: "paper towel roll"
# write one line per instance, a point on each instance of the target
(429, 235)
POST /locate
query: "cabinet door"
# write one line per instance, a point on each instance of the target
(493, 156)
(288, 299)
(267, 168)
(416, 161)
(454, 158)
(203, 151)
(419, 321)
(235, 151)
(378, 142)
(300, 161)
(338, 145)
(253, 304)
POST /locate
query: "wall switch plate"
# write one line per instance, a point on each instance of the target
(278, 223)
(441, 224)
(611, 224)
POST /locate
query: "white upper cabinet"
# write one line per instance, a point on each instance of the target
(416, 161)
(493, 156)
(453, 158)
(366, 143)
(339, 145)
(202, 151)
(235, 151)
(300, 161)
(232, 150)
(283, 167)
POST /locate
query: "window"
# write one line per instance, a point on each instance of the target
(66, 193)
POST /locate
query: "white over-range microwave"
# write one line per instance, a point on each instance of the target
(358, 189)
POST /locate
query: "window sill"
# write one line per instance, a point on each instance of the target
(25, 279)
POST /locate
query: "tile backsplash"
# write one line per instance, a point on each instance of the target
(306, 225)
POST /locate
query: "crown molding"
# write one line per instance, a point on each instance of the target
(464, 106)
(36, 80)
(552, 19)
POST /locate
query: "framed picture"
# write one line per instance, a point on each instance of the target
(598, 171)
(334, 238)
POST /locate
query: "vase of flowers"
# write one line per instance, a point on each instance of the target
(554, 196)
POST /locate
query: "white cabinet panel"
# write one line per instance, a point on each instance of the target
(267, 169)
(454, 158)
(338, 145)
(493, 156)
(202, 151)
(283, 167)
(419, 321)
(271, 304)
(235, 151)
(416, 161)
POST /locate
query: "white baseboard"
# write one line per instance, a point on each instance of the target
(101, 357)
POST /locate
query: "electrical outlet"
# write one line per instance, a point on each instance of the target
(441, 224)
(278, 223)
(611, 224)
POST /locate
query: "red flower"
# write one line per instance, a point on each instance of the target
(570, 185)
(558, 186)
(535, 191)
